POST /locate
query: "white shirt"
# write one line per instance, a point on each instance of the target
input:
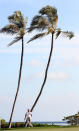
(29, 114)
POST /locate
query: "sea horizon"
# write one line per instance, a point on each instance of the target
(60, 123)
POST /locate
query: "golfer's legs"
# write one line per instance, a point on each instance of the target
(27, 122)
(30, 124)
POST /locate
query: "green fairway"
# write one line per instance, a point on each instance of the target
(48, 129)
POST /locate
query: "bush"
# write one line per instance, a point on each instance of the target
(22, 124)
(3, 121)
(4, 125)
(14, 125)
(19, 124)
(40, 125)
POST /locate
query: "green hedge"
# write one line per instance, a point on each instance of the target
(14, 125)
(22, 124)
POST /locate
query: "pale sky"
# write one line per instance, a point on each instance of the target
(61, 93)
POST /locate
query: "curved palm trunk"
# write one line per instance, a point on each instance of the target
(45, 78)
(19, 79)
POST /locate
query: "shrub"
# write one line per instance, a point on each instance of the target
(19, 124)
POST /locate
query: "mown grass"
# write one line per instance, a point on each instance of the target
(51, 128)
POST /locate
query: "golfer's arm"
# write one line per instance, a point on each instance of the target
(25, 116)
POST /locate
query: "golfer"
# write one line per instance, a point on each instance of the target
(28, 117)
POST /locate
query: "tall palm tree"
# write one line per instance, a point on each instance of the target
(16, 27)
(46, 22)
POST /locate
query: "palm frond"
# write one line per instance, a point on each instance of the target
(48, 10)
(10, 29)
(40, 35)
(43, 23)
(39, 22)
(11, 18)
(14, 41)
(15, 16)
(53, 20)
(50, 30)
(17, 19)
(35, 20)
(26, 20)
(68, 34)
(32, 28)
(58, 33)
(51, 14)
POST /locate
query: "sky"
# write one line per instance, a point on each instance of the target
(61, 92)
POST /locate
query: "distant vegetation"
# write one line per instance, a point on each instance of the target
(73, 119)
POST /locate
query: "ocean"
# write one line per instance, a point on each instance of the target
(60, 123)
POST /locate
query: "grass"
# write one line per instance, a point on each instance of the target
(45, 129)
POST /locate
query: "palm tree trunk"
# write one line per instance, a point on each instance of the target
(45, 78)
(19, 79)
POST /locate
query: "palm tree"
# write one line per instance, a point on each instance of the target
(46, 23)
(16, 27)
